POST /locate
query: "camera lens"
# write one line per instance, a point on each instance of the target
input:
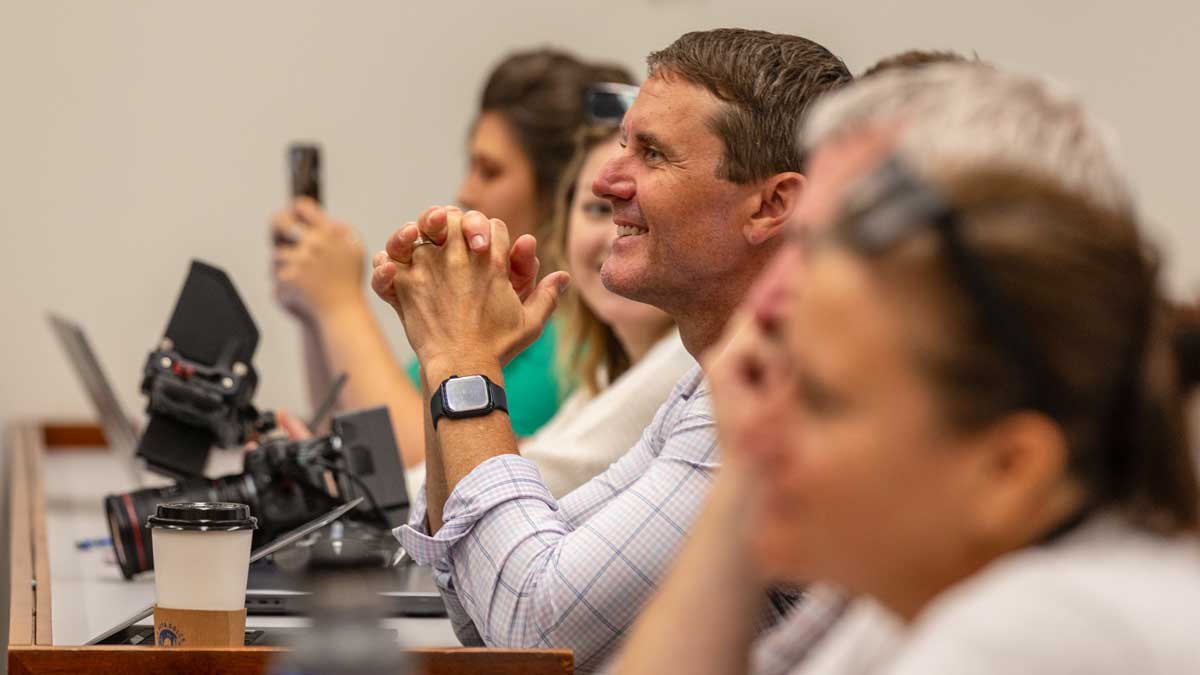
(127, 514)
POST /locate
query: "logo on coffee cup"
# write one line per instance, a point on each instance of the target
(168, 635)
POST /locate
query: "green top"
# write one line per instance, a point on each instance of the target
(530, 382)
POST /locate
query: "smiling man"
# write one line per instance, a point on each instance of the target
(708, 176)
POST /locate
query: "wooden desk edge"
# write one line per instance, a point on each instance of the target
(22, 603)
(43, 632)
(28, 660)
(69, 434)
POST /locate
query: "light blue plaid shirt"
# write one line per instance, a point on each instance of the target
(519, 569)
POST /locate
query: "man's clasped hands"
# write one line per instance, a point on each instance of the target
(464, 292)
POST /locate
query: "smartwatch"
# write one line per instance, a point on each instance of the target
(469, 396)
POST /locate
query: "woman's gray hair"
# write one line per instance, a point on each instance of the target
(968, 116)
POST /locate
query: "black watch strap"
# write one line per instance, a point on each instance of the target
(497, 400)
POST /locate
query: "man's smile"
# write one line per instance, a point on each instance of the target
(628, 228)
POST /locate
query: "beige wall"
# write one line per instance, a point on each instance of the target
(136, 136)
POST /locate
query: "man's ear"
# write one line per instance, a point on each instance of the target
(772, 206)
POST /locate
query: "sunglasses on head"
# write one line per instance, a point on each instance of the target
(892, 205)
(606, 102)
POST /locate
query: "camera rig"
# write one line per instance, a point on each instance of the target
(199, 382)
(199, 385)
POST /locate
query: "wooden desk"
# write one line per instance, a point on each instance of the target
(29, 613)
(33, 648)
(256, 660)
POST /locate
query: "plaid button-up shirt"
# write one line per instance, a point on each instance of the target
(519, 569)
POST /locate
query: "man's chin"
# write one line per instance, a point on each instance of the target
(621, 280)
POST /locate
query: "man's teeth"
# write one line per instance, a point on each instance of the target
(630, 230)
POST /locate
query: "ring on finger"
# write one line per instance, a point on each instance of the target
(421, 240)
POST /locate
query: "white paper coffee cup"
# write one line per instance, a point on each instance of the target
(201, 555)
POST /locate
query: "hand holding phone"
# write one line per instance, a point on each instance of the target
(317, 262)
(304, 161)
(304, 167)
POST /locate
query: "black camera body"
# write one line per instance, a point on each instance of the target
(199, 381)
(296, 481)
(286, 483)
(216, 398)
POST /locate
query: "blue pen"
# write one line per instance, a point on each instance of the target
(85, 544)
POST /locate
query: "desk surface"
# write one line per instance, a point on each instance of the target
(89, 593)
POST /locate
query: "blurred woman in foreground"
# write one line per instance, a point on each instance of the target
(974, 424)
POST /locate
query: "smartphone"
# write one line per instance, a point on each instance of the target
(304, 163)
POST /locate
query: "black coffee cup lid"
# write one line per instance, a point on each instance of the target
(203, 516)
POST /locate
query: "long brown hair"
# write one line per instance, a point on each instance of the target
(1086, 284)
(1186, 317)
(541, 94)
(588, 349)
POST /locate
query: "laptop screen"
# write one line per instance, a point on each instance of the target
(122, 437)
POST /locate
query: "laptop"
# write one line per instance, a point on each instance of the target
(410, 590)
(118, 430)
(405, 589)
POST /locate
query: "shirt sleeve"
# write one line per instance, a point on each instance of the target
(464, 628)
(533, 572)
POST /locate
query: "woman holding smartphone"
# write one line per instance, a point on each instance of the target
(531, 108)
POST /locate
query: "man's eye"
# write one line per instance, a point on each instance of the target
(652, 155)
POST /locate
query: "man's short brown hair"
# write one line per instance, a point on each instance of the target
(767, 82)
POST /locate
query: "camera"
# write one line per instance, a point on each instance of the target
(285, 483)
(199, 384)
(199, 381)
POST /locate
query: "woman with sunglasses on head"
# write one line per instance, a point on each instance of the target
(974, 426)
(531, 109)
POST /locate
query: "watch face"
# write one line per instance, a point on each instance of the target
(464, 394)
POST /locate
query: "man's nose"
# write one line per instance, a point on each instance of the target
(772, 291)
(614, 181)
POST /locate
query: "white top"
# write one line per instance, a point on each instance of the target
(1109, 598)
(865, 636)
(588, 433)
